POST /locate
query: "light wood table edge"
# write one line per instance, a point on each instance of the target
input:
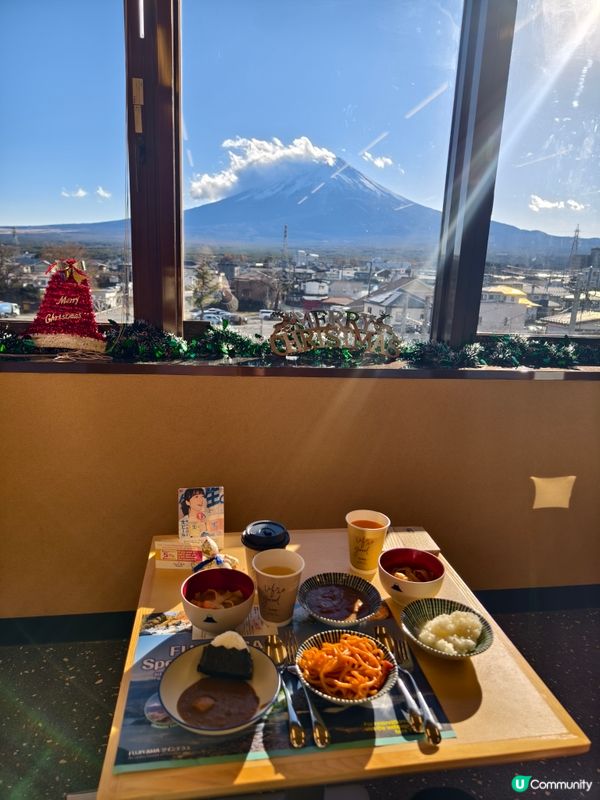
(524, 665)
(195, 781)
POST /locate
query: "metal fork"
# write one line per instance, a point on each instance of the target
(320, 732)
(415, 717)
(405, 663)
(279, 654)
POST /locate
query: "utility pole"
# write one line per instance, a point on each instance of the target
(576, 281)
(283, 280)
(126, 303)
(285, 247)
(572, 263)
(370, 277)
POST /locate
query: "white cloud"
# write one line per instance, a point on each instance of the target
(209, 188)
(246, 157)
(381, 162)
(77, 193)
(537, 203)
(103, 193)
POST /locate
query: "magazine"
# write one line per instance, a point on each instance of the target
(201, 512)
(150, 739)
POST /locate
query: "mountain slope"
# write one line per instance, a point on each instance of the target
(333, 206)
(319, 204)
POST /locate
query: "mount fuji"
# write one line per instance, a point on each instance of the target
(330, 205)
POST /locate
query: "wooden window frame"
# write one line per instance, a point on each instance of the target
(155, 159)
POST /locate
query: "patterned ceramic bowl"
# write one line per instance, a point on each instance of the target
(417, 613)
(335, 636)
(329, 597)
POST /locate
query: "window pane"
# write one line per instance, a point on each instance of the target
(543, 261)
(63, 168)
(315, 150)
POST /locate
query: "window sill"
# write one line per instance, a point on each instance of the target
(394, 370)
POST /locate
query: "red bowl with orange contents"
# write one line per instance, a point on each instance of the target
(409, 574)
(217, 600)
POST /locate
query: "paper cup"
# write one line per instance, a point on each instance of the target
(366, 534)
(277, 579)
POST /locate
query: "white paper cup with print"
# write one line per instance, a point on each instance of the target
(278, 575)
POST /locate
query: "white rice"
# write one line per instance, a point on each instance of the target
(230, 639)
(455, 634)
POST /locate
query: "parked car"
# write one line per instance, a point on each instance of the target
(233, 318)
(9, 309)
(268, 313)
(209, 316)
(214, 319)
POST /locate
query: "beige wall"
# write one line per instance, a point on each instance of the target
(91, 464)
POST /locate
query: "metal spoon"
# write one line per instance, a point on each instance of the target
(320, 732)
(321, 735)
(277, 652)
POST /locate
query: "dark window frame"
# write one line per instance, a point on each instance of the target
(479, 101)
(155, 160)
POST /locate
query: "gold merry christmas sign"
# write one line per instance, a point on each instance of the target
(298, 333)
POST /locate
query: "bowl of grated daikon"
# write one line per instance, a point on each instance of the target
(446, 628)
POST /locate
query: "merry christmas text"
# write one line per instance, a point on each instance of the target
(49, 318)
(297, 333)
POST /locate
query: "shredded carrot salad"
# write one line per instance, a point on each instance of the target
(352, 669)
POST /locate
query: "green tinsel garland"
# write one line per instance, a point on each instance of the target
(14, 344)
(221, 342)
(142, 341)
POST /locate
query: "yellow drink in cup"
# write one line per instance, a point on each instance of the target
(277, 580)
(366, 534)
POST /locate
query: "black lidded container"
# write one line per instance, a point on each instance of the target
(264, 534)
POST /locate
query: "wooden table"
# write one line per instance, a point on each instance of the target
(499, 708)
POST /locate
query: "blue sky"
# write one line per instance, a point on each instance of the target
(62, 95)
(370, 81)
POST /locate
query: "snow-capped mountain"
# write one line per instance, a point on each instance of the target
(331, 205)
(319, 203)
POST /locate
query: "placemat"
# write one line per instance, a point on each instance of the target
(151, 740)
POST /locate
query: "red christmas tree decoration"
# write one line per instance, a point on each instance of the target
(66, 316)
